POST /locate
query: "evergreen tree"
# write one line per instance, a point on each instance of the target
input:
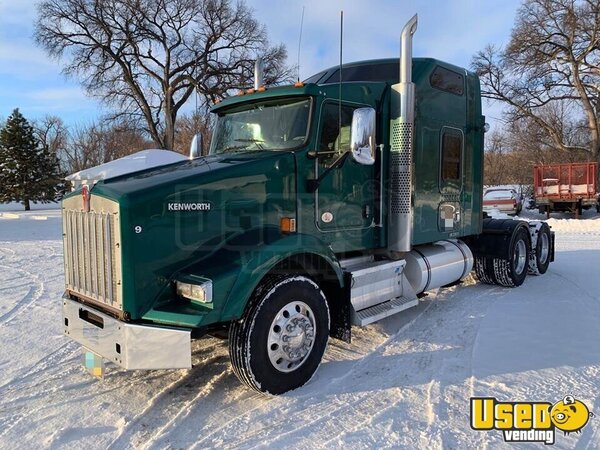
(28, 171)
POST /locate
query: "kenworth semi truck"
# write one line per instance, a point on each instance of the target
(330, 203)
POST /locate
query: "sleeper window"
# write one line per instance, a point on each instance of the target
(451, 155)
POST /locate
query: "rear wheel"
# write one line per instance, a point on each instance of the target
(511, 272)
(484, 269)
(278, 344)
(541, 252)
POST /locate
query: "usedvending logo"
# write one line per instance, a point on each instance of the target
(202, 206)
(529, 421)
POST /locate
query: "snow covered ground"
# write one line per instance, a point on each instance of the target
(402, 383)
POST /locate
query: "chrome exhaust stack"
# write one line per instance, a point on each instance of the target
(401, 147)
(258, 73)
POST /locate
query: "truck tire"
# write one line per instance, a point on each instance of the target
(541, 252)
(512, 272)
(484, 270)
(278, 343)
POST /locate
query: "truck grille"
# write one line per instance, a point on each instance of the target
(92, 253)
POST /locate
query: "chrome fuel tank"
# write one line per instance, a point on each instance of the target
(438, 264)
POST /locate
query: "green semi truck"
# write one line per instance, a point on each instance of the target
(330, 203)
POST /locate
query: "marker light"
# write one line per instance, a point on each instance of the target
(287, 225)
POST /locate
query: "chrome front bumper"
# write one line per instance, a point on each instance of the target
(128, 345)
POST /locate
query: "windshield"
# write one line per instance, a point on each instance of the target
(270, 125)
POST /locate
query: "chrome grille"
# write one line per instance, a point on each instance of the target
(92, 255)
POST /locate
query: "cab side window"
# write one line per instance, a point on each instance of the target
(447, 80)
(452, 143)
(331, 139)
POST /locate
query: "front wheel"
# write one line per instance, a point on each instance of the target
(278, 344)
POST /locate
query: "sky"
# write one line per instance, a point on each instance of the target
(451, 30)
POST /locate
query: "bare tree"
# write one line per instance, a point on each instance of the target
(188, 125)
(495, 159)
(551, 62)
(98, 143)
(53, 135)
(145, 58)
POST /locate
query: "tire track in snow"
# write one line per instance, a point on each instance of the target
(35, 292)
(37, 289)
(224, 405)
(186, 409)
(170, 401)
(354, 415)
(65, 351)
(458, 390)
(19, 395)
(6, 251)
(325, 411)
(435, 391)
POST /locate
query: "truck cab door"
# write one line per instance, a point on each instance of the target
(345, 198)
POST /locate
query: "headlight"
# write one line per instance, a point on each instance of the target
(200, 291)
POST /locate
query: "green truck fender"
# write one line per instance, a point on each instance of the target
(293, 253)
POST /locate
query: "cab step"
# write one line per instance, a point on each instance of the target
(382, 310)
(379, 289)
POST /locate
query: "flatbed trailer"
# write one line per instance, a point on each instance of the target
(566, 187)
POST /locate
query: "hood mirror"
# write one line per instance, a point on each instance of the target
(196, 146)
(362, 141)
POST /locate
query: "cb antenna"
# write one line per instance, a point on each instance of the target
(300, 41)
(196, 112)
(340, 83)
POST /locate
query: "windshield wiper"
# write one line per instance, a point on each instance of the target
(232, 148)
(258, 142)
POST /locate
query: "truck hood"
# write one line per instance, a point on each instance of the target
(200, 170)
(134, 163)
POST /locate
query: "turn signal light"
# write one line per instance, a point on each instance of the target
(287, 225)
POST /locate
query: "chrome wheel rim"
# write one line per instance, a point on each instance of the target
(291, 336)
(520, 258)
(544, 248)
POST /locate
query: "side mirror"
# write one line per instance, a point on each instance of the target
(196, 146)
(362, 140)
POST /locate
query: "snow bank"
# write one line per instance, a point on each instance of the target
(146, 159)
(591, 226)
(17, 207)
(589, 223)
(35, 214)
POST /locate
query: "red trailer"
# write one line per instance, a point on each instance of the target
(565, 187)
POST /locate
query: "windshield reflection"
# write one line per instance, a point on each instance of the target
(270, 125)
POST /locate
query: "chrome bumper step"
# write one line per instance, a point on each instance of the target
(382, 310)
